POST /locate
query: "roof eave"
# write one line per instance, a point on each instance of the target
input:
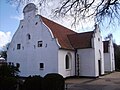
(72, 49)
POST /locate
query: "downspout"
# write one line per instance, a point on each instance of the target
(75, 62)
(78, 65)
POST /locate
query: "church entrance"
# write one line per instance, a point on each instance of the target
(99, 63)
(99, 67)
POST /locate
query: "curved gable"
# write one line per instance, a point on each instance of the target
(59, 32)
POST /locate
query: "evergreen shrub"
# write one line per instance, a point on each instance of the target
(53, 81)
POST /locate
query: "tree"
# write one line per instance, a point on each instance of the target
(4, 54)
(8, 83)
(99, 10)
(117, 56)
(8, 70)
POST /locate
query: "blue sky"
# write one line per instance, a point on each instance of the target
(7, 14)
(10, 18)
(8, 22)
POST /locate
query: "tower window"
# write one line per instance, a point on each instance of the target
(21, 26)
(40, 43)
(36, 23)
(28, 36)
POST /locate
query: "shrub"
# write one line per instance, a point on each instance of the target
(53, 82)
(8, 83)
(33, 83)
(21, 83)
(7, 70)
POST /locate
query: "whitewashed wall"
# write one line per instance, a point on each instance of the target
(98, 46)
(89, 57)
(109, 58)
(87, 62)
(107, 62)
(30, 55)
(112, 55)
(61, 63)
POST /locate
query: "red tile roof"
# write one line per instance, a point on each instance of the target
(67, 38)
(60, 32)
(81, 40)
(105, 46)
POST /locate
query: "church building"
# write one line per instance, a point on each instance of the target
(41, 46)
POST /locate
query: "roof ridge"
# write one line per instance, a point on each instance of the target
(86, 32)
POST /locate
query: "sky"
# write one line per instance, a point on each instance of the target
(10, 18)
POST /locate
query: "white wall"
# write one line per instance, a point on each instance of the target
(109, 58)
(87, 62)
(89, 57)
(107, 62)
(98, 46)
(112, 55)
(30, 55)
(61, 60)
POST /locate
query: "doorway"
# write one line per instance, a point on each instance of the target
(99, 67)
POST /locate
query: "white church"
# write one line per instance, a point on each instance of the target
(41, 46)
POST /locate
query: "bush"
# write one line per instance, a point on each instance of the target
(53, 82)
(33, 83)
(8, 83)
(7, 70)
(49, 82)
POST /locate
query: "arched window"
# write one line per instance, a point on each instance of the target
(28, 36)
(67, 62)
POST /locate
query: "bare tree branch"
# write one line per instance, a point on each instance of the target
(99, 10)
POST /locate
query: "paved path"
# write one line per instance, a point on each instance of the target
(107, 82)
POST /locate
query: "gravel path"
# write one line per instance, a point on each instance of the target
(107, 82)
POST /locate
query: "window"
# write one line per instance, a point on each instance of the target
(21, 26)
(28, 36)
(36, 23)
(17, 65)
(67, 62)
(18, 46)
(98, 39)
(41, 65)
(12, 64)
(39, 43)
(9, 63)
